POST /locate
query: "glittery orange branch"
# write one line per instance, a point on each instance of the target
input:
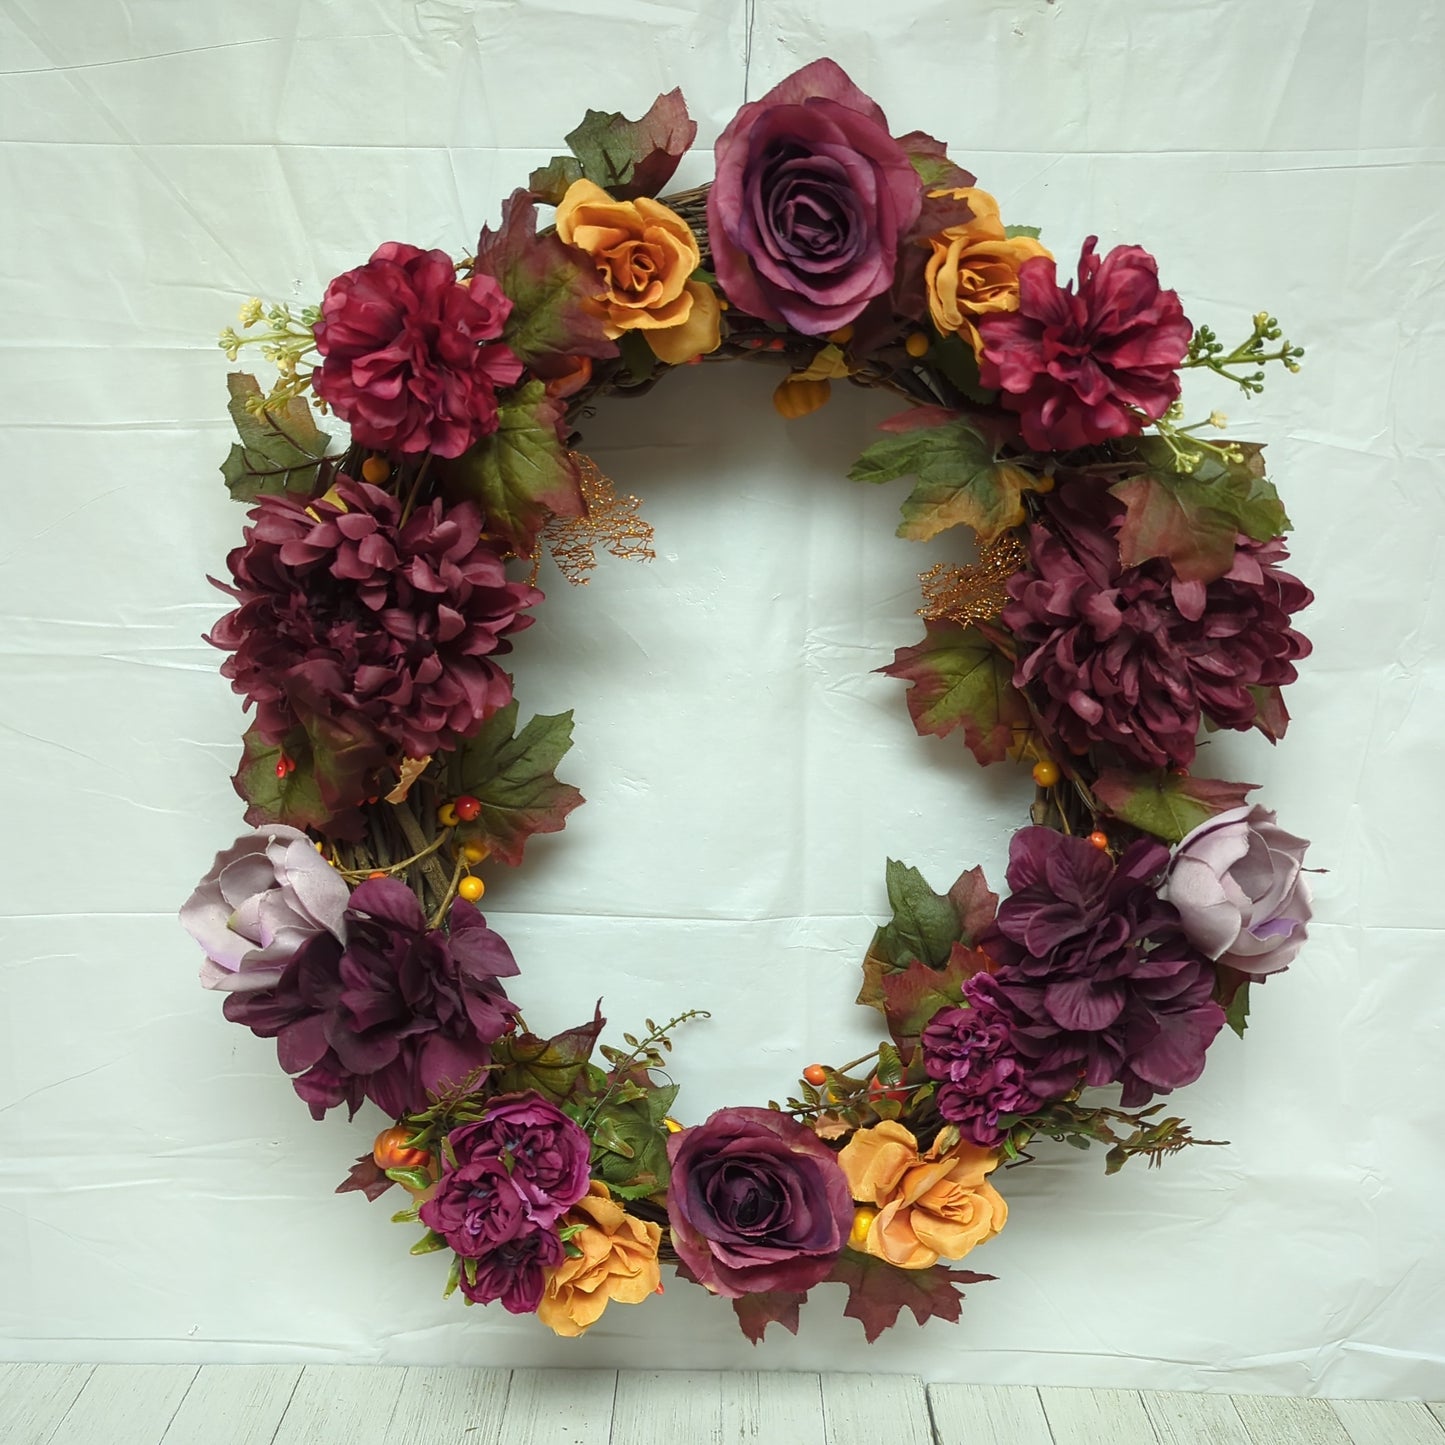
(610, 522)
(974, 593)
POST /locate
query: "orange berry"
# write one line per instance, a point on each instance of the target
(842, 336)
(471, 888)
(916, 345)
(815, 1074)
(375, 470)
(378, 873)
(447, 816)
(392, 1150)
(1046, 773)
(1099, 840)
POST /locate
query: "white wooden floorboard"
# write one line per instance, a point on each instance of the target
(988, 1415)
(1437, 1409)
(124, 1405)
(770, 1408)
(234, 1404)
(867, 1409)
(1187, 1419)
(341, 1405)
(34, 1399)
(450, 1406)
(1283, 1420)
(657, 1407)
(1097, 1417)
(560, 1407)
(1388, 1422)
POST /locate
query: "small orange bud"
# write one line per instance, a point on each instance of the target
(815, 1074)
(375, 470)
(1100, 841)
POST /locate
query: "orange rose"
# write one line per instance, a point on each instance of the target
(645, 254)
(974, 269)
(618, 1262)
(930, 1206)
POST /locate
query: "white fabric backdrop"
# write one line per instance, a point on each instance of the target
(163, 1195)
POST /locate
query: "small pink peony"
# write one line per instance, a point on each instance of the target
(265, 895)
(412, 356)
(1238, 884)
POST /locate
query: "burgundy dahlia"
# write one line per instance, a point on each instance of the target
(347, 612)
(395, 1014)
(411, 356)
(1131, 656)
(1081, 366)
(515, 1272)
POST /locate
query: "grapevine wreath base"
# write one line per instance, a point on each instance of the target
(1129, 589)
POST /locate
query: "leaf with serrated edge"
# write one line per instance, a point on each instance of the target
(280, 449)
(961, 680)
(878, 1292)
(552, 1066)
(631, 158)
(756, 1312)
(1168, 805)
(913, 995)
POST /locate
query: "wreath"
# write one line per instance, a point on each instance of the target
(1128, 589)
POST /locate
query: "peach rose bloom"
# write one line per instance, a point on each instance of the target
(645, 254)
(974, 269)
(618, 1262)
(930, 1207)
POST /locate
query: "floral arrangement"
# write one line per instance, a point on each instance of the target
(1130, 588)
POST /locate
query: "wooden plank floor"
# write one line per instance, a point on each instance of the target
(354, 1405)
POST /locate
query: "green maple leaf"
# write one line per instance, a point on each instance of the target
(628, 158)
(756, 1312)
(334, 766)
(878, 1292)
(960, 480)
(512, 778)
(553, 1067)
(521, 474)
(1168, 805)
(281, 447)
(960, 679)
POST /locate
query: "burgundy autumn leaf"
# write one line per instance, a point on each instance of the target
(756, 1312)
(878, 1293)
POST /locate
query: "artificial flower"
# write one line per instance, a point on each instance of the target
(475, 1206)
(811, 202)
(645, 254)
(263, 897)
(412, 357)
(515, 1272)
(616, 1263)
(1081, 366)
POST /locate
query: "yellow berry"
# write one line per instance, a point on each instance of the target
(476, 852)
(916, 345)
(863, 1218)
(471, 888)
(1046, 773)
(375, 470)
(447, 816)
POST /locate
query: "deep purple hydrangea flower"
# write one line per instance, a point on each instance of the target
(347, 613)
(396, 1013)
(515, 1272)
(1132, 657)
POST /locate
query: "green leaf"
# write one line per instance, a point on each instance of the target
(954, 357)
(878, 1292)
(960, 679)
(553, 1067)
(1030, 231)
(521, 474)
(549, 183)
(960, 480)
(756, 1312)
(429, 1243)
(924, 924)
(628, 158)
(280, 449)
(630, 1146)
(512, 778)
(930, 162)
(1271, 716)
(1237, 1013)
(1168, 805)
(909, 997)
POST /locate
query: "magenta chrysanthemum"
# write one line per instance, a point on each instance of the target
(347, 612)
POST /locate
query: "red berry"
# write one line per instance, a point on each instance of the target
(467, 808)
(281, 768)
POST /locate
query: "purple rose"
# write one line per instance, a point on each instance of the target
(476, 1207)
(811, 201)
(1239, 886)
(266, 895)
(516, 1271)
(546, 1154)
(757, 1203)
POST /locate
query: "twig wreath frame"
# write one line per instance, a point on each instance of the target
(1129, 589)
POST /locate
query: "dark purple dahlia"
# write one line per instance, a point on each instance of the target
(397, 1013)
(1133, 657)
(347, 612)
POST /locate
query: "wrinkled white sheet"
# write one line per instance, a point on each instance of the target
(164, 1196)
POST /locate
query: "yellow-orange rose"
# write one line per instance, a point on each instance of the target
(618, 1262)
(930, 1206)
(645, 254)
(974, 269)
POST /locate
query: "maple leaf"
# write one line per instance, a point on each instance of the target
(330, 770)
(929, 159)
(960, 679)
(512, 778)
(1271, 716)
(366, 1177)
(281, 447)
(553, 1067)
(1168, 805)
(879, 1292)
(911, 996)
(756, 1312)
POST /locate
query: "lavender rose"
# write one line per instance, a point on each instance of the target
(1238, 884)
(811, 201)
(757, 1203)
(265, 895)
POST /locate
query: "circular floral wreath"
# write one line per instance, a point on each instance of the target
(1128, 588)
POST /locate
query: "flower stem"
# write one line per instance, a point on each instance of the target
(441, 913)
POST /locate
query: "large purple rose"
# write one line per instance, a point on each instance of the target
(811, 201)
(757, 1203)
(515, 1272)
(1242, 896)
(265, 895)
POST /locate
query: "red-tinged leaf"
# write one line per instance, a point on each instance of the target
(756, 1312)
(1271, 716)
(513, 779)
(913, 995)
(917, 418)
(309, 794)
(976, 903)
(366, 1177)
(553, 1067)
(348, 759)
(879, 1292)
(960, 680)
(522, 474)
(551, 287)
(929, 158)
(629, 158)
(1168, 805)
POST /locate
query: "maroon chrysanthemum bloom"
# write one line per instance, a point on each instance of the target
(1081, 366)
(346, 612)
(396, 1013)
(411, 355)
(1133, 657)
